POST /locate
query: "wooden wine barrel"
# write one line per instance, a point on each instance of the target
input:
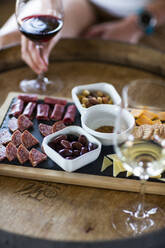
(66, 212)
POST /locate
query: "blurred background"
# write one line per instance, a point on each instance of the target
(7, 7)
(157, 40)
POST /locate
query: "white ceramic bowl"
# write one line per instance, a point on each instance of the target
(74, 164)
(104, 87)
(105, 115)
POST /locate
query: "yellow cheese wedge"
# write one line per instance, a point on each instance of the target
(106, 163)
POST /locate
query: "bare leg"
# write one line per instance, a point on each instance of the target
(9, 33)
(79, 15)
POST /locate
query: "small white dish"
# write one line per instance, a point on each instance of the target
(74, 164)
(105, 115)
(104, 87)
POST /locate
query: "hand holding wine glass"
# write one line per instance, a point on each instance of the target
(143, 155)
(39, 22)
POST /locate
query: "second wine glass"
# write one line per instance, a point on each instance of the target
(39, 21)
(142, 152)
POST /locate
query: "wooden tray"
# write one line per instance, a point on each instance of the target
(85, 177)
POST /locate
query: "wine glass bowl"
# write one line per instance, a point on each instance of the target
(145, 93)
(143, 157)
(39, 21)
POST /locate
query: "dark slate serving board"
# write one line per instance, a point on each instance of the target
(95, 168)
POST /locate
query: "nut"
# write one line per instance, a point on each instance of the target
(100, 93)
(90, 98)
(99, 99)
(105, 99)
(84, 100)
(93, 101)
(86, 92)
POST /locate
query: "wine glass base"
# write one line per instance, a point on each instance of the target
(40, 87)
(126, 222)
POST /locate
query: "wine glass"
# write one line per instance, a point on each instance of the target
(39, 21)
(142, 154)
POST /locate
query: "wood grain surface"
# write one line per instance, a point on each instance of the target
(61, 211)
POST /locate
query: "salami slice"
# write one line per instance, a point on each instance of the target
(28, 140)
(70, 115)
(22, 154)
(5, 136)
(59, 125)
(2, 152)
(13, 124)
(16, 138)
(28, 97)
(11, 151)
(53, 101)
(29, 109)
(43, 112)
(45, 130)
(36, 157)
(58, 112)
(17, 108)
(24, 123)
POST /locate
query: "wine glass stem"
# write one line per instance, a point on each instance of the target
(140, 208)
(40, 47)
(41, 77)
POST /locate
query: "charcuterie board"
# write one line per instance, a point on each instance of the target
(105, 172)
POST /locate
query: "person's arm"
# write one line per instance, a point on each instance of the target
(78, 15)
(127, 29)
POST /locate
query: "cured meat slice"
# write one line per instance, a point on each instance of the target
(28, 97)
(43, 112)
(2, 152)
(22, 154)
(28, 111)
(17, 108)
(70, 114)
(28, 140)
(5, 136)
(53, 101)
(11, 151)
(45, 130)
(24, 123)
(16, 138)
(13, 124)
(58, 112)
(59, 125)
(36, 157)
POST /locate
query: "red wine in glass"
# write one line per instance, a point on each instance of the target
(39, 21)
(40, 28)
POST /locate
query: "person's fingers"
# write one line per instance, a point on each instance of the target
(42, 53)
(32, 56)
(26, 55)
(36, 56)
(48, 48)
(94, 31)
